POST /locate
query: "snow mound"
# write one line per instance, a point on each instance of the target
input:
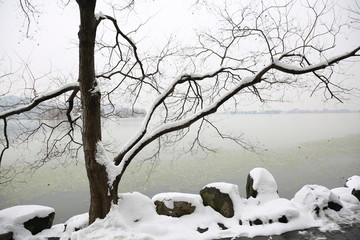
(22, 213)
(277, 210)
(77, 222)
(353, 182)
(347, 198)
(135, 207)
(316, 198)
(264, 183)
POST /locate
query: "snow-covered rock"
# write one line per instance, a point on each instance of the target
(135, 216)
(26, 220)
(354, 184)
(316, 198)
(346, 197)
(223, 198)
(176, 204)
(261, 185)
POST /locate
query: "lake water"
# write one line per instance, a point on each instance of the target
(297, 149)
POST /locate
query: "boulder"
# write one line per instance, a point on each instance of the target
(356, 193)
(219, 200)
(6, 236)
(261, 185)
(250, 191)
(37, 224)
(354, 184)
(347, 197)
(202, 230)
(34, 218)
(180, 208)
(176, 204)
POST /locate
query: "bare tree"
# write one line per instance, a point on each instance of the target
(354, 13)
(257, 49)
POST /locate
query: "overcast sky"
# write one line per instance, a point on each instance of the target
(53, 42)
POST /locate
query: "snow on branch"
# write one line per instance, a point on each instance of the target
(158, 101)
(42, 98)
(287, 68)
(184, 123)
(143, 138)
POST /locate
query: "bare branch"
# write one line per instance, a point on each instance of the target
(39, 99)
(30, 11)
(7, 145)
(143, 139)
(158, 102)
(71, 106)
(118, 30)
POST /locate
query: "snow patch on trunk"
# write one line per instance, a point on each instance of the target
(111, 169)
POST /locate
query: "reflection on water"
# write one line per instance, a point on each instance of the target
(298, 149)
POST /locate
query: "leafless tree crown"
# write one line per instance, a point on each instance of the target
(259, 49)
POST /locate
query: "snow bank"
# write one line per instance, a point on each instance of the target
(278, 210)
(77, 222)
(135, 217)
(315, 198)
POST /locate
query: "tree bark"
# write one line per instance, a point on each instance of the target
(101, 195)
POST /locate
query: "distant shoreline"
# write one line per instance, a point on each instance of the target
(294, 111)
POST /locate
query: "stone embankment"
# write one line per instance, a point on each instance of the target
(261, 192)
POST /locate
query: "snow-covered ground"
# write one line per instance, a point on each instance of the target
(135, 216)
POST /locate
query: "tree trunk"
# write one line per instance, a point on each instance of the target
(101, 195)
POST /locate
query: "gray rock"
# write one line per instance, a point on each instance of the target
(6, 236)
(181, 208)
(356, 193)
(250, 191)
(202, 230)
(220, 202)
(354, 184)
(222, 226)
(38, 224)
(261, 185)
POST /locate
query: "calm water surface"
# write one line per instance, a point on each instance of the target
(297, 149)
